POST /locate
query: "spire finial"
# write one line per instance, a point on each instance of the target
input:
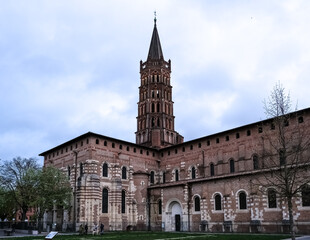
(155, 19)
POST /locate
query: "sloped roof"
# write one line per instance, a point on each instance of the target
(155, 52)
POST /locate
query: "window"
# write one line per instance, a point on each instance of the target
(232, 165)
(212, 169)
(121, 146)
(199, 145)
(217, 140)
(227, 138)
(105, 170)
(272, 198)
(305, 195)
(113, 145)
(69, 172)
(124, 173)
(237, 135)
(191, 147)
(260, 129)
(176, 175)
(255, 162)
(105, 200)
(127, 148)
(248, 132)
(242, 200)
(159, 207)
(105, 143)
(208, 143)
(97, 141)
(193, 173)
(164, 177)
(152, 179)
(300, 120)
(123, 201)
(218, 202)
(176, 151)
(282, 157)
(183, 149)
(81, 169)
(197, 203)
(272, 126)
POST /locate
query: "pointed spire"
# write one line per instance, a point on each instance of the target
(155, 52)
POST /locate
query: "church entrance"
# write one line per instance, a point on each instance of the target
(173, 219)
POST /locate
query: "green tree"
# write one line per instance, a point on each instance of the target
(7, 205)
(53, 189)
(285, 151)
(19, 178)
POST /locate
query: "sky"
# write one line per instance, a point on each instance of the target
(69, 67)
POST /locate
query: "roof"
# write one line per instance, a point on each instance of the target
(155, 52)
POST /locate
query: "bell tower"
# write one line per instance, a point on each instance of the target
(155, 121)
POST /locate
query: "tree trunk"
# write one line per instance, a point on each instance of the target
(291, 219)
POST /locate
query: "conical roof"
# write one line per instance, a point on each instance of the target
(155, 52)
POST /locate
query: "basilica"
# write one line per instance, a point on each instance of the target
(163, 183)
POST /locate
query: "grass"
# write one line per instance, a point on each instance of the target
(161, 236)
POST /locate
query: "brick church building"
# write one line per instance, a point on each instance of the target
(163, 183)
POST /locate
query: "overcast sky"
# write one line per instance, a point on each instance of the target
(69, 67)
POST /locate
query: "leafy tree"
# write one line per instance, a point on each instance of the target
(53, 190)
(7, 205)
(285, 151)
(19, 178)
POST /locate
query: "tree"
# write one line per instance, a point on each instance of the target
(19, 178)
(285, 151)
(7, 205)
(53, 190)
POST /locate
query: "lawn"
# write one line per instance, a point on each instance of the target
(161, 236)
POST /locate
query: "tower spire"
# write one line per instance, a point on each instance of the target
(155, 52)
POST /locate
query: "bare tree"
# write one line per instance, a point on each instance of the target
(285, 152)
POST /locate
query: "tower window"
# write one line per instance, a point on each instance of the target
(208, 143)
(227, 138)
(237, 135)
(105, 143)
(300, 119)
(199, 145)
(183, 149)
(176, 151)
(217, 140)
(248, 132)
(113, 145)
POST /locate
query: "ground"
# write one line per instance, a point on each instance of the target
(162, 236)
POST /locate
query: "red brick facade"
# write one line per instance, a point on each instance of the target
(163, 183)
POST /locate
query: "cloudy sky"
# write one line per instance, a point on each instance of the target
(69, 67)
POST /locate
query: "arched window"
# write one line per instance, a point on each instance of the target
(152, 179)
(105, 170)
(305, 195)
(255, 162)
(272, 198)
(159, 207)
(193, 173)
(153, 107)
(158, 107)
(282, 156)
(81, 169)
(123, 201)
(176, 175)
(232, 165)
(124, 172)
(212, 169)
(105, 200)
(197, 203)
(242, 200)
(164, 177)
(218, 202)
(69, 172)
